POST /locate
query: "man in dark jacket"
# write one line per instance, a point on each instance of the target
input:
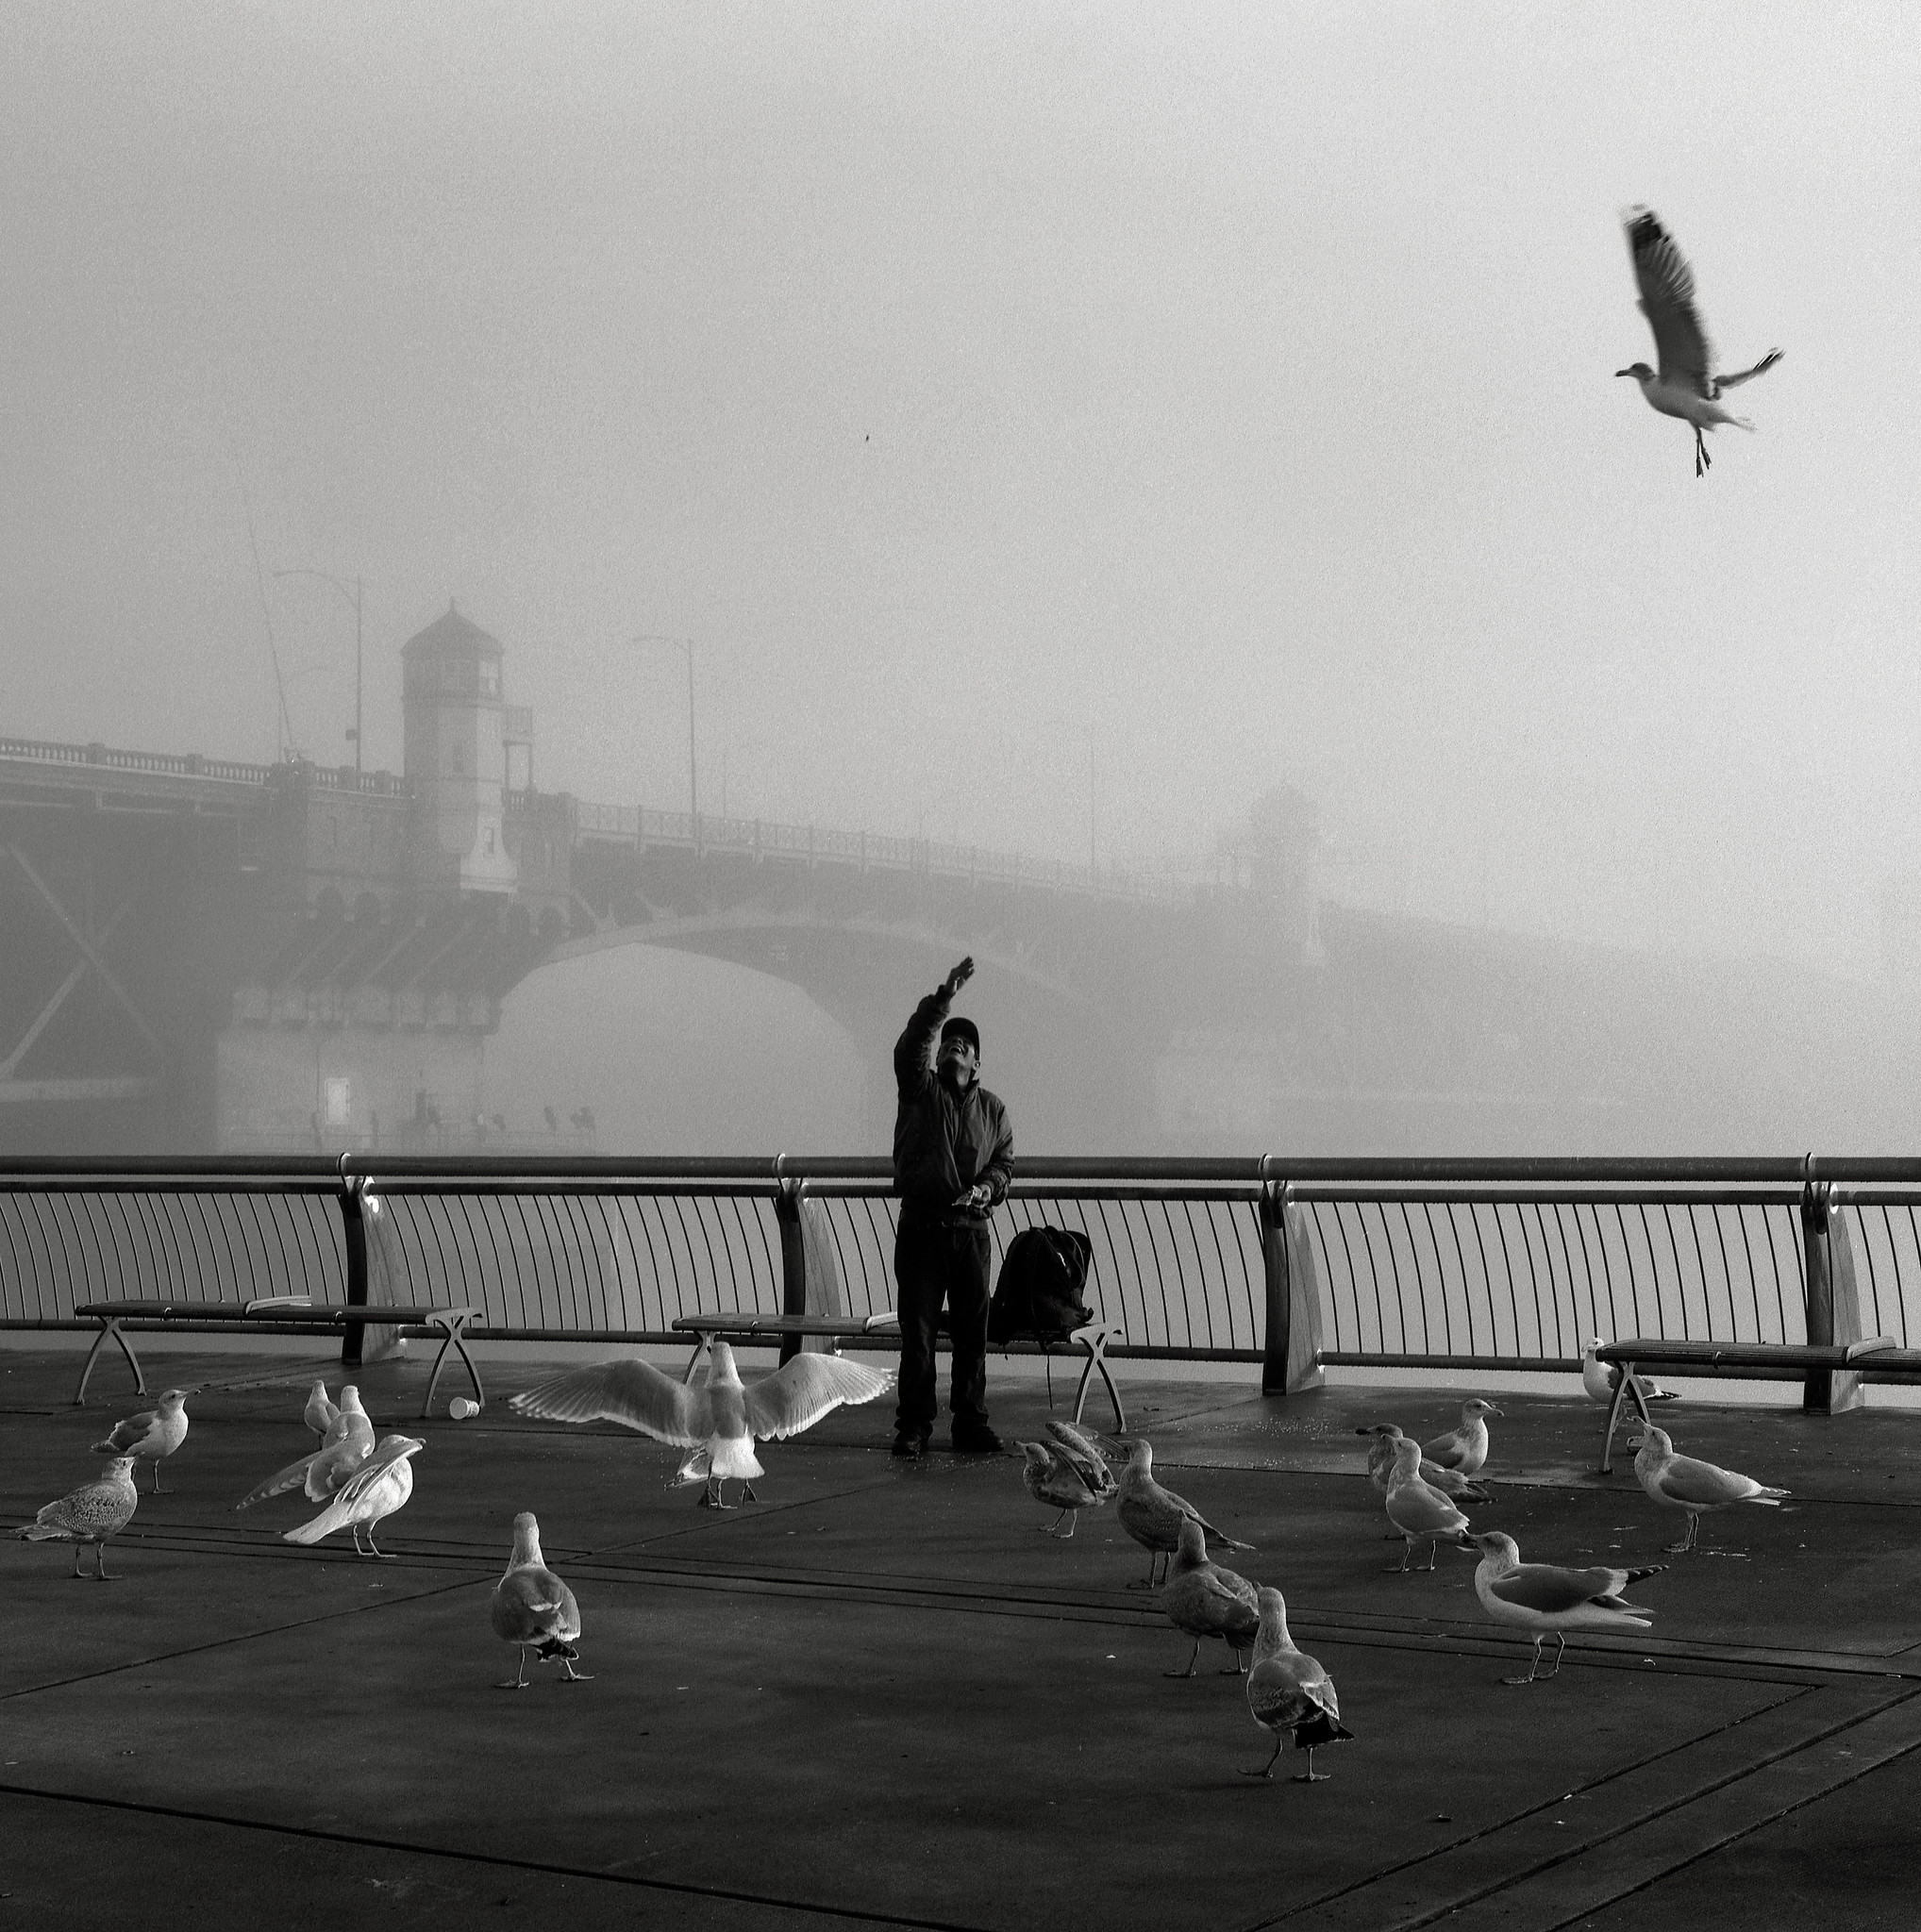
(953, 1158)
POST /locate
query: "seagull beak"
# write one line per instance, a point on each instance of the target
(1624, 371)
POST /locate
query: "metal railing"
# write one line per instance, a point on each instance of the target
(1497, 1265)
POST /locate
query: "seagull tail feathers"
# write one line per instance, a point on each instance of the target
(1319, 1730)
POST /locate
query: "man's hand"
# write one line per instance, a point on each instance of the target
(959, 976)
(978, 1196)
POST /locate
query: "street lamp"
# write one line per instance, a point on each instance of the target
(655, 637)
(352, 598)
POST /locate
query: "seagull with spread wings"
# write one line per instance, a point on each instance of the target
(1685, 385)
(369, 1496)
(720, 1419)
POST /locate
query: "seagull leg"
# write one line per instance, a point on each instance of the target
(519, 1677)
(157, 1476)
(1189, 1672)
(373, 1549)
(1400, 1569)
(1532, 1668)
(1267, 1769)
(1687, 1543)
(573, 1676)
(747, 1494)
(1434, 1550)
(1560, 1645)
(1237, 1669)
(714, 1495)
(77, 1548)
(1310, 1776)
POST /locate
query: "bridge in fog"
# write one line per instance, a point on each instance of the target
(205, 955)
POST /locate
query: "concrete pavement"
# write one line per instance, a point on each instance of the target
(881, 1696)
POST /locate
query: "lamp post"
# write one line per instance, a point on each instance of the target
(655, 637)
(352, 598)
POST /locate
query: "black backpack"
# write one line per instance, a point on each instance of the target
(1039, 1292)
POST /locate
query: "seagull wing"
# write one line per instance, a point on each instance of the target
(1549, 1588)
(629, 1391)
(1087, 1461)
(134, 1433)
(795, 1398)
(1667, 299)
(1689, 1480)
(1761, 368)
(293, 1477)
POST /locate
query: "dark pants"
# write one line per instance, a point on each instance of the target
(932, 1263)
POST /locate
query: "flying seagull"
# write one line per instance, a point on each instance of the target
(1685, 385)
(719, 1421)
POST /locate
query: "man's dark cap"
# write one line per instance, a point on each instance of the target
(965, 1028)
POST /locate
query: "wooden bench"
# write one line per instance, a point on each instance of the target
(1881, 1354)
(1094, 1339)
(285, 1314)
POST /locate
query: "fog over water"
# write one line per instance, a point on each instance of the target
(1056, 428)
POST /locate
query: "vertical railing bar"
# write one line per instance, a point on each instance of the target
(1514, 1297)
(609, 1318)
(642, 1204)
(1373, 1266)
(1353, 1278)
(1726, 1269)
(1460, 1262)
(493, 1211)
(1701, 1267)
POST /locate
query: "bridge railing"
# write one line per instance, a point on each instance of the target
(1497, 1265)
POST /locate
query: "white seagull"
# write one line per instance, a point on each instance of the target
(90, 1514)
(1542, 1597)
(153, 1434)
(320, 1411)
(1288, 1690)
(1685, 385)
(380, 1486)
(1463, 1450)
(533, 1608)
(1381, 1464)
(720, 1419)
(1684, 1482)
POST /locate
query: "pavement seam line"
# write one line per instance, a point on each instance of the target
(1663, 1811)
(1453, 1845)
(168, 1657)
(682, 1886)
(1746, 1830)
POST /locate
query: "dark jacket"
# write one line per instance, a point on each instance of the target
(943, 1144)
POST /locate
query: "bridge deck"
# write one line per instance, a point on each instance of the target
(880, 1696)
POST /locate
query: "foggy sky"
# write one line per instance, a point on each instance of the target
(1226, 391)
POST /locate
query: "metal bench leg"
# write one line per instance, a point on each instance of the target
(454, 1338)
(1096, 1358)
(108, 1327)
(700, 1344)
(1628, 1385)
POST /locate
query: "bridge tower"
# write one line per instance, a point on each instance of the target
(455, 756)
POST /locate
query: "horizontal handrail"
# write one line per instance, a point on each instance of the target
(1436, 1262)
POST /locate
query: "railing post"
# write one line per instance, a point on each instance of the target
(354, 1226)
(1832, 1301)
(1291, 1349)
(792, 1256)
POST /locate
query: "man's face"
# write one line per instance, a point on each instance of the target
(956, 1062)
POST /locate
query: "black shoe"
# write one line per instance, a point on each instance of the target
(977, 1438)
(910, 1441)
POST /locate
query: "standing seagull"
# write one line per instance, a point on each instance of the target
(1463, 1450)
(1543, 1596)
(533, 1608)
(1054, 1482)
(382, 1484)
(1204, 1600)
(90, 1514)
(1288, 1690)
(1685, 385)
(719, 1421)
(153, 1434)
(1416, 1510)
(1153, 1516)
(320, 1411)
(1683, 1482)
(1381, 1466)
